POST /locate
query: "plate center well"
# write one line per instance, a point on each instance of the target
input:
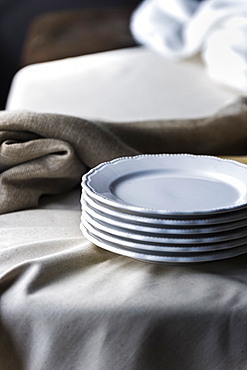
(178, 191)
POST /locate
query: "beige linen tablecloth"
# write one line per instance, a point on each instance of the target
(67, 304)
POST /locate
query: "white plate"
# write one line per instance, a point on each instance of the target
(163, 239)
(169, 184)
(171, 246)
(159, 229)
(149, 256)
(167, 222)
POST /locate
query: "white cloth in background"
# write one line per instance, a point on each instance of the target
(180, 29)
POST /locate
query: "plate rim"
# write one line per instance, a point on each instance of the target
(199, 230)
(226, 218)
(222, 245)
(181, 239)
(181, 260)
(144, 210)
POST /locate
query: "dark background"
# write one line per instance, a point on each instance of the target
(15, 19)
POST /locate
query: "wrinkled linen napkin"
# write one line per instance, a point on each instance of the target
(45, 153)
(182, 28)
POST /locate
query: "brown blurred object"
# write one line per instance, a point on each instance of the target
(63, 34)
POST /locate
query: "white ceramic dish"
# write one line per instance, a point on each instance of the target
(171, 247)
(124, 225)
(109, 211)
(178, 185)
(150, 256)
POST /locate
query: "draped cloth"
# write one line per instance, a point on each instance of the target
(67, 304)
(44, 154)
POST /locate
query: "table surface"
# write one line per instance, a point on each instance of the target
(67, 304)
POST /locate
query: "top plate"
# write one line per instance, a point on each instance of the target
(169, 184)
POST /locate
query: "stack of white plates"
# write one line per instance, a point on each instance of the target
(167, 208)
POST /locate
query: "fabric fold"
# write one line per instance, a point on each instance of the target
(43, 154)
(48, 154)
